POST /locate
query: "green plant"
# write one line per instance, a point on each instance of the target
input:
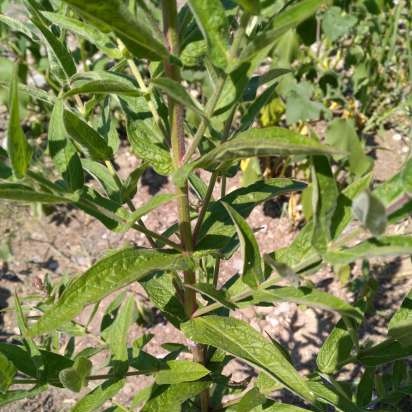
(155, 59)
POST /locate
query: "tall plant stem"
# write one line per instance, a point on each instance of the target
(177, 139)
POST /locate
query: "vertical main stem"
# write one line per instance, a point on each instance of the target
(177, 139)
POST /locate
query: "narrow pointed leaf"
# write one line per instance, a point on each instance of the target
(179, 371)
(103, 176)
(7, 373)
(211, 19)
(91, 141)
(270, 141)
(19, 151)
(19, 26)
(252, 273)
(161, 291)
(58, 50)
(329, 395)
(324, 201)
(32, 92)
(365, 387)
(62, 150)
(171, 397)
(20, 394)
(217, 231)
(116, 334)
(104, 87)
(288, 19)
(23, 193)
(88, 32)
(374, 247)
(95, 399)
(178, 93)
(310, 297)
(252, 399)
(241, 340)
(250, 6)
(400, 326)
(335, 350)
(144, 139)
(384, 352)
(115, 14)
(209, 291)
(106, 276)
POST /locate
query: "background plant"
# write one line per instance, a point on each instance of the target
(187, 86)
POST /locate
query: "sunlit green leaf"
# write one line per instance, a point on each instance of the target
(62, 150)
(87, 31)
(241, 340)
(115, 14)
(211, 19)
(106, 276)
(252, 272)
(179, 371)
(19, 151)
(98, 396)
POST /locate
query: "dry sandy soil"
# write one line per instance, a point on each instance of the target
(67, 242)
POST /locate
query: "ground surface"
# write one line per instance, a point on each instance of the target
(67, 242)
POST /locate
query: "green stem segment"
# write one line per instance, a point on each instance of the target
(177, 139)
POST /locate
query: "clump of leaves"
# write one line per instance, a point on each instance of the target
(137, 67)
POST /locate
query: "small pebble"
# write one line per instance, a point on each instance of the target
(397, 137)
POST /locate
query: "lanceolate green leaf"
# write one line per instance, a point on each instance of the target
(178, 93)
(241, 340)
(106, 276)
(19, 394)
(270, 141)
(336, 349)
(324, 201)
(23, 193)
(217, 230)
(179, 371)
(216, 295)
(144, 139)
(339, 400)
(211, 19)
(288, 19)
(19, 26)
(307, 296)
(88, 32)
(62, 150)
(252, 272)
(400, 326)
(171, 397)
(98, 396)
(116, 334)
(19, 151)
(104, 87)
(32, 92)
(250, 6)
(7, 373)
(55, 46)
(83, 134)
(386, 351)
(115, 14)
(374, 247)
